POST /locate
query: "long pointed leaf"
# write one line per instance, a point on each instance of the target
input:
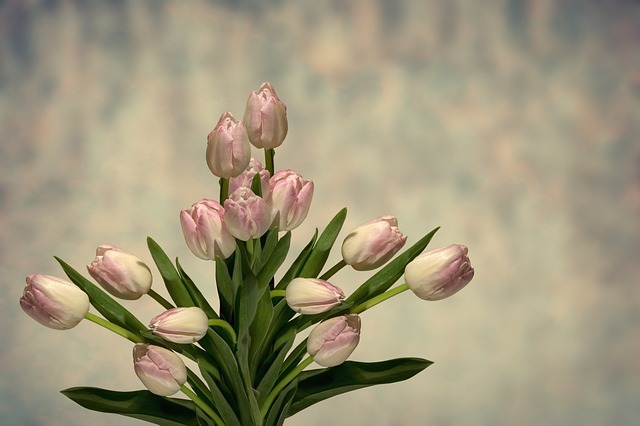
(195, 293)
(298, 263)
(320, 253)
(317, 385)
(171, 278)
(112, 310)
(140, 404)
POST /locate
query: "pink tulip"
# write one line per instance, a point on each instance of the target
(310, 296)
(246, 215)
(181, 325)
(246, 178)
(161, 371)
(228, 148)
(54, 302)
(332, 341)
(205, 232)
(290, 199)
(371, 245)
(120, 273)
(438, 274)
(265, 118)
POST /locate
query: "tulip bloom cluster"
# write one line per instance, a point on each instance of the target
(250, 372)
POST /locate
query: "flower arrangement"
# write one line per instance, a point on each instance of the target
(245, 369)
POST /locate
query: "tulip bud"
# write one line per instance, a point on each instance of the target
(265, 117)
(228, 148)
(246, 215)
(159, 369)
(246, 178)
(205, 232)
(310, 296)
(332, 341)
(120, 273)
(438, 274)
(181, 325)
(371, 245)
(290, 199)
(54, 302)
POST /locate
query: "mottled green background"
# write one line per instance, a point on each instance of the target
(512, 124)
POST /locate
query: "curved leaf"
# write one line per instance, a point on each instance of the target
(107, 306)
(317, 385)
(140, 404)
(172, 280)
(320, 253)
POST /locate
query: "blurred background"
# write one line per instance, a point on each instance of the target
(512, 124)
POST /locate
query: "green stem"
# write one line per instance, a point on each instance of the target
(226, 326)
(268, 160)
(203, 405)
(331, 272)
(378, 299)
(277, 293)
(115, 328)
(283, 383)
(161, 300)
(224, 189)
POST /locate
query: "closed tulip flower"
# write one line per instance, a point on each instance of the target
(246, 215)
(120, 273)
(181, 325)
(54, 302)
(159, 369)
(332, 341)
(440, 273)
(290, 199)
(371, 245)
(265, 118)
(228, 148)
(246, 178)
(310, 296)
(205, 232)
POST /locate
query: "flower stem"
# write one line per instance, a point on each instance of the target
(379, 299)
(283, 383)
(161, 300)
(268, 160)
(203, 405)
(335, 268)
(226, 326)
(277, 293)
(224, 189)
(115, 328)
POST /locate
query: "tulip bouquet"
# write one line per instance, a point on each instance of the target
(241, 364)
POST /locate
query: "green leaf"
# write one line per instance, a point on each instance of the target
(320, 253)
(281, 406)
(171, 278)
(298, 263)
(221, 401)
(226, 291)
(229, 368)
(247, 303)
(140, 404)
(268, 380)
(258, 331)
(195, 293)
(276, 259)
(109, 308)
(387, 276)
(317, 385)
(269, 241)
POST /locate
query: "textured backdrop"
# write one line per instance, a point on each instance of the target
(512, 124)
